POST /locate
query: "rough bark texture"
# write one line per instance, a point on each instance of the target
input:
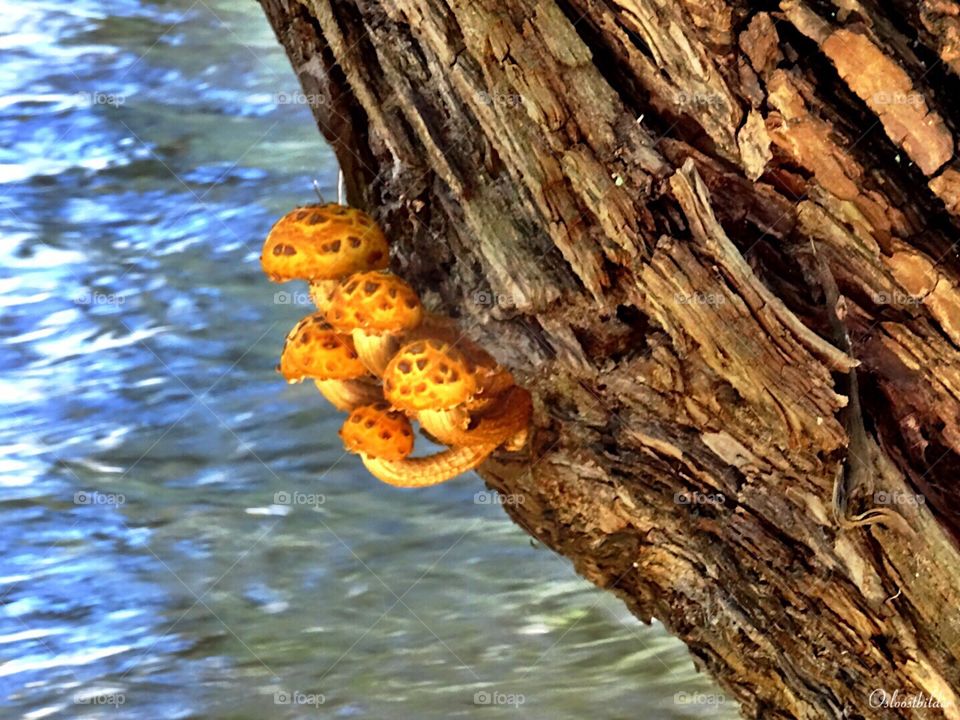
(626, 202)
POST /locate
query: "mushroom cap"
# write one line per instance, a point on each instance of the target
(314, 350)
(378, 302)
(323, 242)
(378, 432)
(429, 374)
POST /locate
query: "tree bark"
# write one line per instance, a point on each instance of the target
(631, 204)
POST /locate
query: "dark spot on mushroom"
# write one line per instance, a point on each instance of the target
(368, 424)
(417, 348)
(352, 354)
(370, 287)
(411, 303)
(393, 292)
(421, 363)
(421, 387)
(405, 432)
(278, 249)
(375, 257)
(335, 246)
(388, 384)
(385, 435)
(444, 368)
(301, 215)
(317, 217)
(351, 287)
(324, 248)
(354, 241)
(454, 376)
(289, 250)
(438, 379)
(403, 366)
(356, 419)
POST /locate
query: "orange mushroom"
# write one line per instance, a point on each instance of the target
(378, 432)
(322, 243)
(441, 386)
(384, 439)
(377, 308)
(314, 350)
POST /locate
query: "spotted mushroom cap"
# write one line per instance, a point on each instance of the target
(375, 301)
(378, 432)
(314, 350)
(323, 242)
(429, 375)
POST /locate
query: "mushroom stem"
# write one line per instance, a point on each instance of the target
(375, 351)
(346, 395)
(320, 292)
(505, 421)
(430, 470)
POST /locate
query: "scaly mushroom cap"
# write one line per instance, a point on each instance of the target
(313, 349)
(429, 374)
(323, 242)
(376, 302)
(376, 431)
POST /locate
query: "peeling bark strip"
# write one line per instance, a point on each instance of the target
(624, 199)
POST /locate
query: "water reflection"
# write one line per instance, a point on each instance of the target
(182, 536)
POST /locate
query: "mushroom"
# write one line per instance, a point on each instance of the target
(314, 350)
(493, 377)
(383, 438)
(321, 244)
(376, 307)
(441, 386)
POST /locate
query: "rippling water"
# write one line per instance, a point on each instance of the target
(148, 567)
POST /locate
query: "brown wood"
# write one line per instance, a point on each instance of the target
(626, 203)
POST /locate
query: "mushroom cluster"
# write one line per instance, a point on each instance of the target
(374, 352)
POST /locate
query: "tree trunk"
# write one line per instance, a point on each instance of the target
(641, 207)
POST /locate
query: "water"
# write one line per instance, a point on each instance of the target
(148, 567)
